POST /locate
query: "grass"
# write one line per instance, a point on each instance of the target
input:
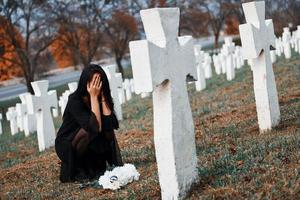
(235, 161)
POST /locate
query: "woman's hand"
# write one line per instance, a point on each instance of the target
(94, 86)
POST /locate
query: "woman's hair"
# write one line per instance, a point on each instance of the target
(86, 76)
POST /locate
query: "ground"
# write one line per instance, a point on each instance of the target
(235, 160)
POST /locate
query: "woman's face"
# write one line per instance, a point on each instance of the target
(95, 75)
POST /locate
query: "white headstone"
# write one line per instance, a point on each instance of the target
(207, 65)
(145, 94)
(223, 61)
(28, 119)
(278, 46)
(298, 38)
(132, 85)
(40, 104)
(20, 109)
(115, 82)
(11, 116)
(273, 56)
(217, 64)
(229, 48)
(72, 86)
(121, 94)
(127, 87)
(238, 57)
(161, 64)
(1, 131)
(257, 36)
(199, 56)
(286, 40)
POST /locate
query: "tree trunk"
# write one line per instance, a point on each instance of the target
(28, 80)
(216, 44)
(120, 67)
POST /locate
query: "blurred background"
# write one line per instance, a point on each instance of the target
(40, 38)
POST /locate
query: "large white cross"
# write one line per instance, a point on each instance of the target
(161, 64)
(115, 82)
(11, 116)
(257, 36)
(41, 104)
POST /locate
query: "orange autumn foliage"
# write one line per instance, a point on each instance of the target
(232, 26)
(8, 55)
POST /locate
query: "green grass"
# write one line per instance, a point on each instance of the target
(235, 161)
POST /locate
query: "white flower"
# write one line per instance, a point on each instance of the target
(119, 177)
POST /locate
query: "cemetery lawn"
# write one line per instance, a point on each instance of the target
(235, 160)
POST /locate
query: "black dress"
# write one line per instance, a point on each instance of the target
(83, 150)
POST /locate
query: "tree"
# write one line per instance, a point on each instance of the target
(80, 32)
(32, 21)
(120, 29)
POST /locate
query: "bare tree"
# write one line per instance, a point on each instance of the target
(28, 29)
(120, 29)
(80, 29)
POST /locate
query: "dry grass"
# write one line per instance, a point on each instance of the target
(235, 160)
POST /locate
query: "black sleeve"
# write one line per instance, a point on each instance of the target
(83, 116)
(109, 122)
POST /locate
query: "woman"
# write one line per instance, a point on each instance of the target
(86, 139)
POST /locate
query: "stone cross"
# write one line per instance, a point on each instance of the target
(161, 64)
(127, 87)
(257, 35)
(1, 131)
(115, 82)
(121, 94)
(298, 38)
(132, 85)
(229, 48)
(273, 56)
(199, 56)
(223, 61)
(145, 95)
(286, 40)
(28, 119)
(278, 46)
(40, 104)
(207, 65)
(11, 116)
(217, 64)
(21, 112)
(72, 86)
(238, 57)
(20, 123)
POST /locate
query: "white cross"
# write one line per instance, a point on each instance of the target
(28, 119)
(199, 56)
(298, 38)
(132, 85)
(115, 82)
(229, 48)
(161, 64)
(11, 116)
(286, 40)
(1, 131)
(257, 36)
(217, 64)
(41, 104)
(207, 65)
(127, 87)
